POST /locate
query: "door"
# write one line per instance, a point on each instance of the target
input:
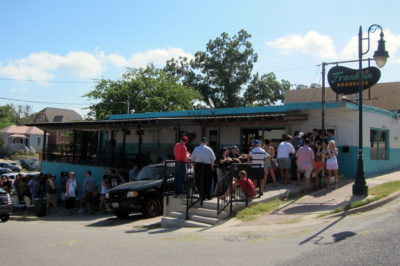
(248, 135)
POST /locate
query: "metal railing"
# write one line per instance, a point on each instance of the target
(115, 159)
(240, 189)
(228, 187)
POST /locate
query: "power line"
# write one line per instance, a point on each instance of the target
(30, 101)
(50, 81)
(293, 69)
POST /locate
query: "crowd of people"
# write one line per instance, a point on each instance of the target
(92, 193)
(28, 188)
(303, 155)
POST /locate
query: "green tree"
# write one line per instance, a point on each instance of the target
(15, 115)
(265, 90)
(221, 72)
(146, 89)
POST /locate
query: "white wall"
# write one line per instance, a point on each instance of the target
(372, 120)
(342, 120)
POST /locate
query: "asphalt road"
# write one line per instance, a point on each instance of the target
(367, 239)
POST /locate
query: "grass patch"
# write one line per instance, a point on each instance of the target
(378, 192)
(251, 213)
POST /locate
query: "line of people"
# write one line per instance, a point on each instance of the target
(91, 192)
(292, 159)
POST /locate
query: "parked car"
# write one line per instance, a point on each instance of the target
(5, 171)
(12, 166)
(144, 194)
(30, 164)
(5, 205)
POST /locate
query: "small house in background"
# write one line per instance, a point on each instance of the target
(21, 138)
(56, 115)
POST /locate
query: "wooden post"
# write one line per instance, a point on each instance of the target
(44, 146)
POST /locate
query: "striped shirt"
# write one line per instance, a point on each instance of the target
(258, 155)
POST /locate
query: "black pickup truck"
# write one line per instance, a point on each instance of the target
(144, 194)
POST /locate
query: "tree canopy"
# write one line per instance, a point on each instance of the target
(146, 89)
(265, 90)
(223, 73)
(15, 115)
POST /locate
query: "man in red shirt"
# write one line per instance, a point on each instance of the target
(181, 157)
(246, 185)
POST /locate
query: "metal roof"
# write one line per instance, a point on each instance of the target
(290, 111)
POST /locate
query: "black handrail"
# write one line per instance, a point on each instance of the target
(194, 185)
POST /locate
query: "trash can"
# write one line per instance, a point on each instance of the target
(40, 207)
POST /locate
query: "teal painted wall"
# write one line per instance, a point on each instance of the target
(55, 168)
(348, 162)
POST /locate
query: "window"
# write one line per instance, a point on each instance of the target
(41, 117)
(379, 144)
(58, 118)
(38, 141)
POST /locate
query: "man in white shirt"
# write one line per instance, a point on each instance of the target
(204, 158)
(258, 156)
(285, 148)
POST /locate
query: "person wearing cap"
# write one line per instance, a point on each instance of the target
(204, 158)
(258, 156)
(234, 154)
(285, 148)
(181, 157)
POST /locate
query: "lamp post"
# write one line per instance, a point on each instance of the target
(360, 187)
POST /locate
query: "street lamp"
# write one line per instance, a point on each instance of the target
(360, 187)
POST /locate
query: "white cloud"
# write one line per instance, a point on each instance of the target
(392, 46)
(155, 56)
(44, 66)
(312, 43)
(322, 46)
(41, 66)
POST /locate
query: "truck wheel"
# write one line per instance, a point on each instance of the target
(152, 207)
(122, 213)
(5, 218)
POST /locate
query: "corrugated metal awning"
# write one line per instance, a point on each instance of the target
(97, 125)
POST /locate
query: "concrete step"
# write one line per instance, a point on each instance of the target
(198, 218)
(172, 222)
(209, 212)
(204, 219)
(177, 214)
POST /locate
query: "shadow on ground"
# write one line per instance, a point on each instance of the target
(114, 221)
(152, 229)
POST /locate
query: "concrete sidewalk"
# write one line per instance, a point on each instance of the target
(311, 205)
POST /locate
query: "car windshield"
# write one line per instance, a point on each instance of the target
(151, 173)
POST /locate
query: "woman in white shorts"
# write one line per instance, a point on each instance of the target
(331, 162)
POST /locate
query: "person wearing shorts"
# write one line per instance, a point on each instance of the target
(285, 148)
(331, 162)
(305, 163)
(258, 157)
(319, 161)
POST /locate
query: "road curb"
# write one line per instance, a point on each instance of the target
(369, 206)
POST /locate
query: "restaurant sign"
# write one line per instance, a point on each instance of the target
(344, 80)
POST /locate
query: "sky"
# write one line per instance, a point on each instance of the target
(54, 52)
